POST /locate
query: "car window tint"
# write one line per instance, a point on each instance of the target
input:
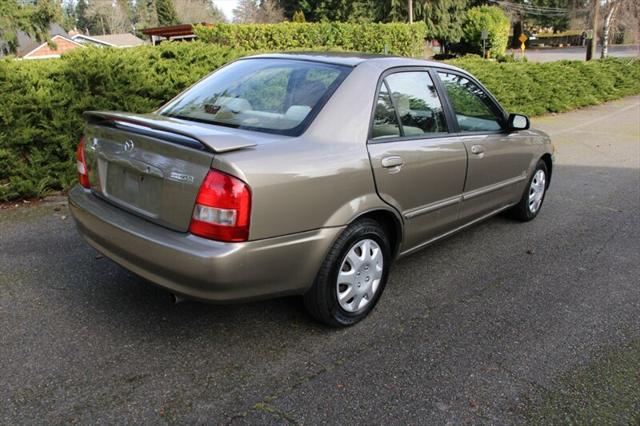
(385, 122)
(472, 106)
(417, 102)
(274, 95)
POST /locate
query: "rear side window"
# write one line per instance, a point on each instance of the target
(411, 98)
(473, 108)
(417, 102)
(272, 95)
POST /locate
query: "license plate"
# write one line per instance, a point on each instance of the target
(133, 188)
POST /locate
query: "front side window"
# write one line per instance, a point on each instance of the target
(473, 108)
(273, 95)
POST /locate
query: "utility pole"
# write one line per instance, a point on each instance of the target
(411, 11)
(592, 50)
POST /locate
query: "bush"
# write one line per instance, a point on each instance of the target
(535, 89)
(41, 103)
(494, 21)
(397, 39)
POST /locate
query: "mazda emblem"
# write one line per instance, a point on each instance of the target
(129, 145)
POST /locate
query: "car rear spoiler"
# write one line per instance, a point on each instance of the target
(216, 140)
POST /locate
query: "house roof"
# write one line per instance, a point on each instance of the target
(60, 43)
(27, 43)
(111, 40)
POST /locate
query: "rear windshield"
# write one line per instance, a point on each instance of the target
(271, 95)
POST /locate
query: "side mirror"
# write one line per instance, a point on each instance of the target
(518, 122)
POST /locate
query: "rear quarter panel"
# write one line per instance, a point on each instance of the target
(303, 184)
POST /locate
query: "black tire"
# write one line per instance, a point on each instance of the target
(522, 211)
(321, 300)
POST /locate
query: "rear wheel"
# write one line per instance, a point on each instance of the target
(533, 197)
(352, 277)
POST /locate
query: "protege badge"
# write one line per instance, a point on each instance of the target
(179, 177)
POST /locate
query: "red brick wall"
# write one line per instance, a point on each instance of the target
(62, 45)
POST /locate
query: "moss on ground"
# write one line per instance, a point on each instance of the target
(604, 392)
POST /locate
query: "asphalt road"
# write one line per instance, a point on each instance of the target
(575, 53)
(494, 325)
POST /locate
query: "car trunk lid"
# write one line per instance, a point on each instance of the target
(152, 166)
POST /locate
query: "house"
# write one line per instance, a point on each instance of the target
(175, 32)
(30, 48)
(109, 40)
(61, 42)
(56, 46)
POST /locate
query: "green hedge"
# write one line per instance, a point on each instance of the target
(535, 89)
(41, 102)
(398, 39)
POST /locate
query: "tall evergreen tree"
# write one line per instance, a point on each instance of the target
(332, 10)
(68, 16)
(82, 18)
(32, 18)
(145, 15)
(444, 18)
(392, 10)
(166, 12)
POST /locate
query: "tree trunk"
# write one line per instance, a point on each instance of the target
(443, 47)
(593, 48)
(607, 30)
(518, 29)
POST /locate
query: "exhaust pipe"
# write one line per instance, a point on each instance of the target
(175, 299)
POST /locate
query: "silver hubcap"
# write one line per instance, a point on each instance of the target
(359, 276)
(536, 191)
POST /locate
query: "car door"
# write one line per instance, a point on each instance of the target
(498, 160)
(418, 167)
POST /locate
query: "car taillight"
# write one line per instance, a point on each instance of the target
(81, 164)
(222, 209)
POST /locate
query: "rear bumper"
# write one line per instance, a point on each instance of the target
(197, 267)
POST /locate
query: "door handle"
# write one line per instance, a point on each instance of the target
(477, 149)
(391, 162)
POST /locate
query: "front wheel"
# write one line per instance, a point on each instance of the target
(531, 202)
(352, 277)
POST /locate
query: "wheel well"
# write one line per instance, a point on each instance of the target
(391, 224)
(547, 161)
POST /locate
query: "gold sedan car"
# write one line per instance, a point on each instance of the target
(303, 174)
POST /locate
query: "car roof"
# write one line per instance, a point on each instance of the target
(353, 59)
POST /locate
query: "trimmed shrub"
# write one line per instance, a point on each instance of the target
(397, 39)
(535, 89)
(494, 21)
(41, 102)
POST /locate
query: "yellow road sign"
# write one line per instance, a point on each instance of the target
(522, 39)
